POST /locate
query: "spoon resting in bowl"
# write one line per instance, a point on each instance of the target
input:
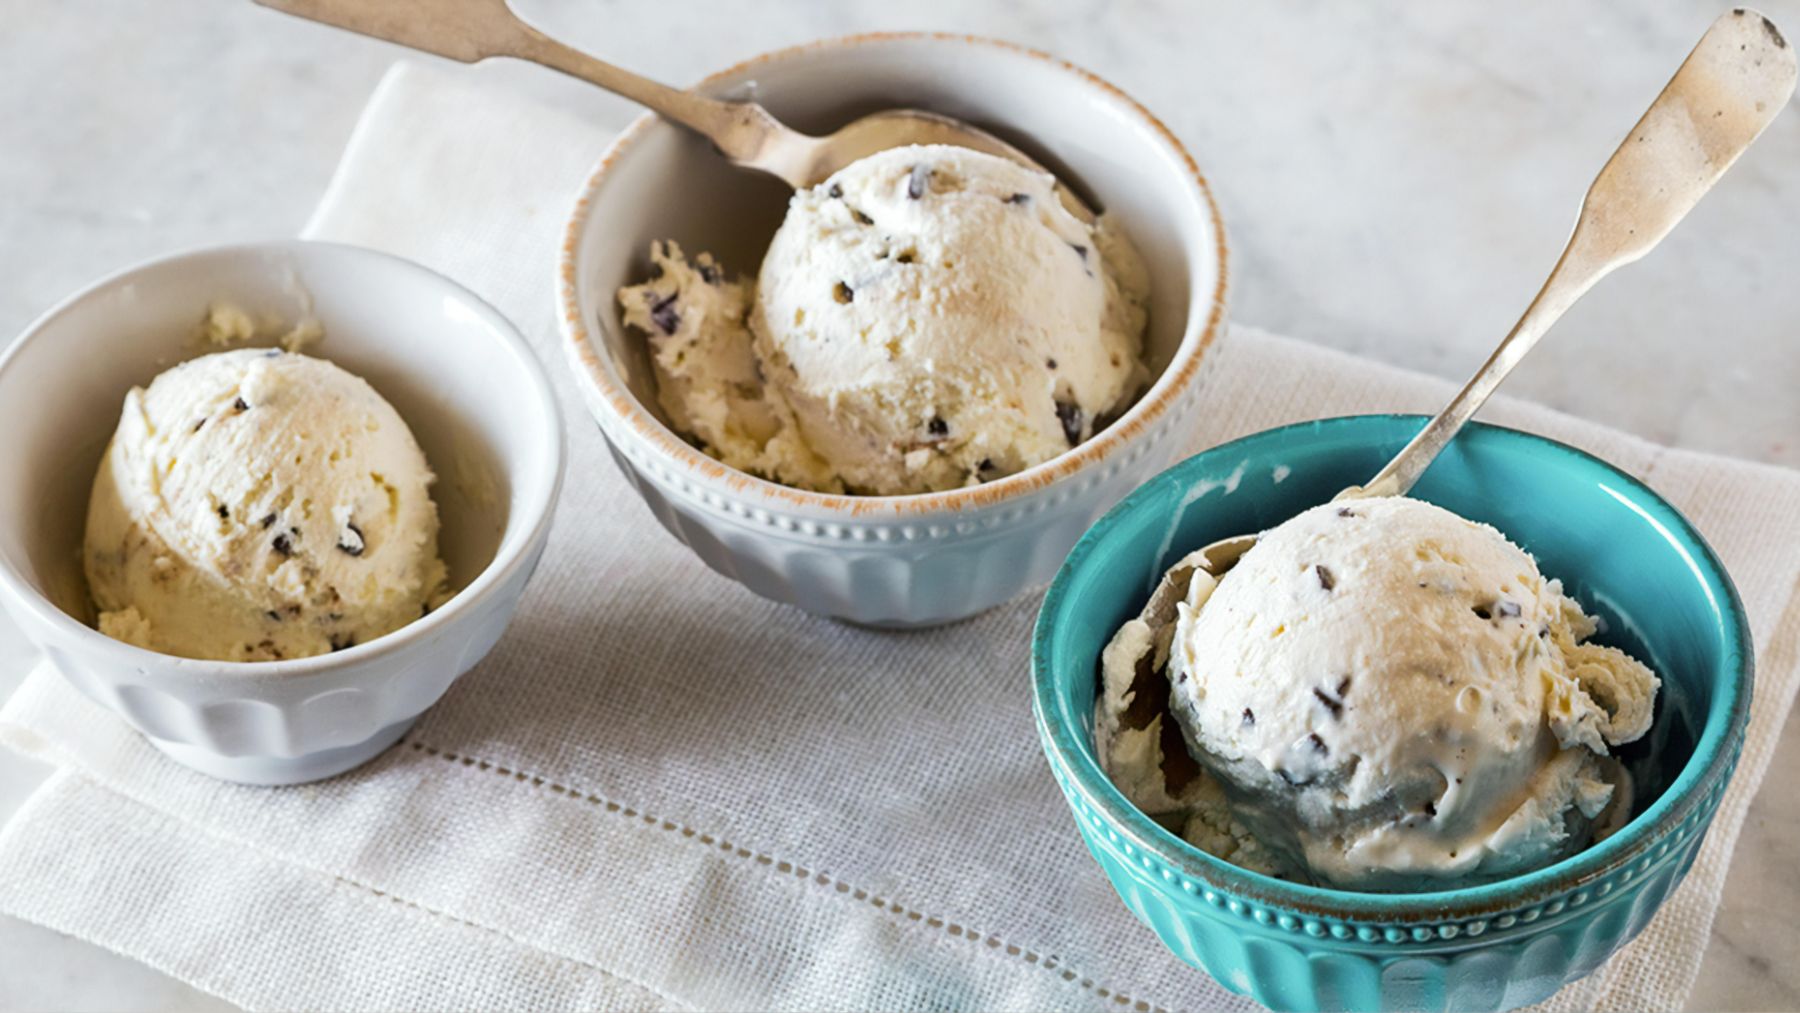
(1724, 95)
(743, 131)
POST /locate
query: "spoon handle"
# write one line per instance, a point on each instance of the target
(1726, 93)
(473, 30)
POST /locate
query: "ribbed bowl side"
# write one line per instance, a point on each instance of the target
(1291, 960)
(929, 569)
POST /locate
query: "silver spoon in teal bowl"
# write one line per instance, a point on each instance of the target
(1725, 94)
(743, 131)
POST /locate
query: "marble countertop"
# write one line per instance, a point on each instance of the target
(1397, 179)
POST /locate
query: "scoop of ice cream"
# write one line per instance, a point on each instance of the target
(928, 318)
(1392, 697)
(934, 315)
(257, 505)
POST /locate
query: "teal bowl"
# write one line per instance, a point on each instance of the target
(1618, 547)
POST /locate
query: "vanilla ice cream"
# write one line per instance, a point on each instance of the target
(927, 318)
(708, 381)
(257, 505)
(1384, 696)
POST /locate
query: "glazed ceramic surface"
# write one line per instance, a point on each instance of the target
(460, 375)
(1620, 549)
(907, 560)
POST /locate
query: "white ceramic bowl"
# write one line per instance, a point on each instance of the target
(902, 560)
(456, 370)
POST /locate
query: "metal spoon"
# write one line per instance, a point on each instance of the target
(744, 132)
(1727, 91)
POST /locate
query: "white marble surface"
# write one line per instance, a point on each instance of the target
(1396, 178)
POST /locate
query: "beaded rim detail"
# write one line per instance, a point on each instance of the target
(1670, 848)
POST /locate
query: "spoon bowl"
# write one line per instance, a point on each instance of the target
(817, 158)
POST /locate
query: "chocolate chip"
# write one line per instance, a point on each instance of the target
(1326, 580)
(662, 313)
(836, 192)
(1181, 678)
(937, 426)
(905, 257)
(1346, 512)
(1482, 612)
(708, 274)
(1430, 809)
(1050, 363)
(266, 521)
(1080, 251)
(1249, 718)
(1774, 34)
(1018, 198)
(344, 642)
(1543, 631)
(282, 545)
(918, 182)
(1318, 744)
(350, 540)
(861, 219)
(1332, 704)
(987, 464)
(224, 512)
(273, 615)
(1343, 687)
(1509, 610)
(1072, 419)
(197, 425)
(240, 405)
(843, 293)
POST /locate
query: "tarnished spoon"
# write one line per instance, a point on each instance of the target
(745, 132)
(1726, 92)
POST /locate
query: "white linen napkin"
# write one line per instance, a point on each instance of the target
(663, 792)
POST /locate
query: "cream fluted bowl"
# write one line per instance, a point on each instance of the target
(895, 560)
(459, 374)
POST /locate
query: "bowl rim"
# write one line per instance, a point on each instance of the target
(1714, 754)
(711, 474)
(527, 521)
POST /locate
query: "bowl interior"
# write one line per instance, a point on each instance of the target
(440, 356)
(1627, 556)
(664, 183)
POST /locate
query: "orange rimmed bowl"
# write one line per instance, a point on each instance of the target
(899, 560)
